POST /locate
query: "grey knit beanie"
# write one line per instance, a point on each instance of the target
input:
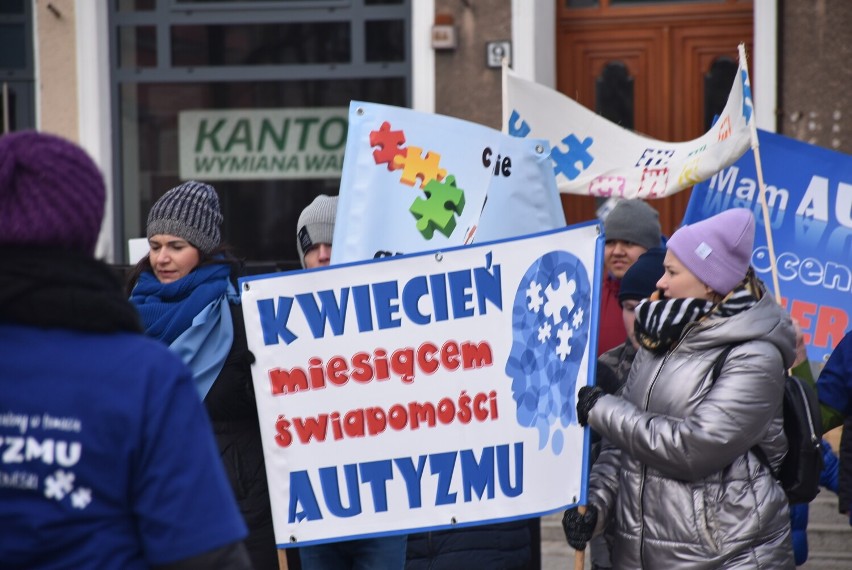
(189, 211)
(633, 221)
(316, 224)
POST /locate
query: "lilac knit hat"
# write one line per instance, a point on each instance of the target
(51, 193)
(717, 250)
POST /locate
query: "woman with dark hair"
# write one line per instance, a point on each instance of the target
(681, 480)
(185, 292)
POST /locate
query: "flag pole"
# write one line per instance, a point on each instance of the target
(755, 146)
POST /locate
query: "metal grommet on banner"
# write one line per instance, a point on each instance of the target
(453, 520)
(539, 149)
(574, 500)
(293, 538)
(245, 286)
(439, 257)
(359, 111)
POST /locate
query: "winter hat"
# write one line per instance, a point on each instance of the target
(641, 278)
(633, 221)
(189, 211)
(717, 250)
(51, 193)
(316, 224)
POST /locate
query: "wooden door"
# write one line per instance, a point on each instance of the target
(667, 57)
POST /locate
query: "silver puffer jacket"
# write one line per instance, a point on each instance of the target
(678, 476)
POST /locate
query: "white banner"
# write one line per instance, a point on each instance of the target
(593, 156)
(425, 391)
(416, 181)
(248, 144)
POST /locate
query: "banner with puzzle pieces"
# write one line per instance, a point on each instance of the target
(595, 157)
(426, 391)
(416, 181)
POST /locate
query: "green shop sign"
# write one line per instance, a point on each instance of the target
(248, 144)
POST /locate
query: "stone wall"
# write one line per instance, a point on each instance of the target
(815, 76)
(464, 86)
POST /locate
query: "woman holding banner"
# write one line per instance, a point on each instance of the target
(184, 290)
(680, 481)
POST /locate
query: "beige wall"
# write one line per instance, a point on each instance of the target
(56, 68)
(464, 86)
(815, 74)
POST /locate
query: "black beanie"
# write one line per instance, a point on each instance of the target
(641, 278)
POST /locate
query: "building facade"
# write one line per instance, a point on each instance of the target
(252, 95)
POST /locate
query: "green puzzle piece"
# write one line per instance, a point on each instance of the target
(437, 212)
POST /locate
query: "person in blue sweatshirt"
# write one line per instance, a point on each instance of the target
(108, 458)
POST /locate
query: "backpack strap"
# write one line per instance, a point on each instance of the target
(717, 371)
(720, 361)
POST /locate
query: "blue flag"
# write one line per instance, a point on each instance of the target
(809, 194)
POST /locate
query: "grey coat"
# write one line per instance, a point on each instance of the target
(678, 476)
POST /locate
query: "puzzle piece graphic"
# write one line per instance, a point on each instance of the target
(534, 294)
(606, 186)
(654, 182)
(544, 332)
(564, 334)
(389, 143)
(415, 166)
(81, 498)
(58, 485)
(560, 298)
(748, 104)
(654, 157)
(516, 130)
(689, 174)
(578, 318)
(724, 129)
(578, 153)
(443, 201)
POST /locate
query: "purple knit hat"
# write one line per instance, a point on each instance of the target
(51, 193)
(717, 250)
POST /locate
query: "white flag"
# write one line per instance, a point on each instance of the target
(593, 156)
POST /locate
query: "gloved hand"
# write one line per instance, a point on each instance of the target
(587, 397)
(579, 527)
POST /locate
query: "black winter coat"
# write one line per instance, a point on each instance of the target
(231, 406)
(844, 487)
(504, 546)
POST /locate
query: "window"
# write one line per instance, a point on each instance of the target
(17, 76)
(177, 59)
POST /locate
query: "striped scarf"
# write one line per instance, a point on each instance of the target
(660, 324)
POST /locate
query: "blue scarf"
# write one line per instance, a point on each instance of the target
(192, 316)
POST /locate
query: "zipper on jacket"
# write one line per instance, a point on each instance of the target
(686, 331)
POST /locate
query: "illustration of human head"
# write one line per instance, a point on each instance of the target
(550, 334)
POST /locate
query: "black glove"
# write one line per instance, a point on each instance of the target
(587, 397)
(579, 527)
